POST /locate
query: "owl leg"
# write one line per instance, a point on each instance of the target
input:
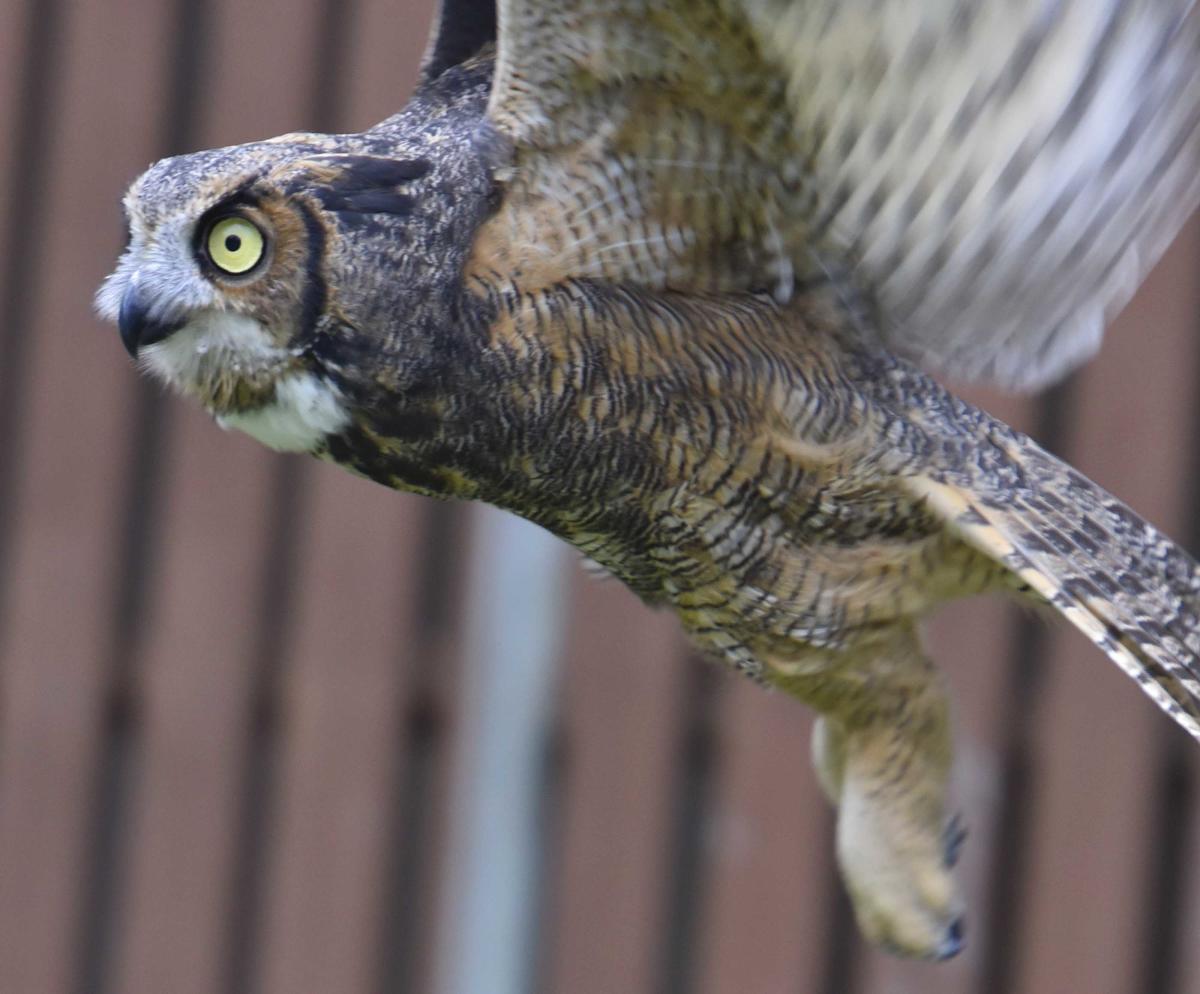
(882, 752)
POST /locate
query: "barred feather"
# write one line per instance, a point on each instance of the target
(987, 182)
(1127, 587)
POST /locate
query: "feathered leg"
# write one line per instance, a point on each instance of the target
(882, 751)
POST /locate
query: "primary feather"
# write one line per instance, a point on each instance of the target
(1000, 175)
(1127, 587)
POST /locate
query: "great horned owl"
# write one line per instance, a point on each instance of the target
(659, 274)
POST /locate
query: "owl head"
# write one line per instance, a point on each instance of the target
(267, 280)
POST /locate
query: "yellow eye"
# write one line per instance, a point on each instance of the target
(235, 245)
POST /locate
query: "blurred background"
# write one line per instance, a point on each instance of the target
(267, 728)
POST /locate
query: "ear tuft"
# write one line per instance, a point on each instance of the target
(365, 172)
(365, 201)
(360, 184)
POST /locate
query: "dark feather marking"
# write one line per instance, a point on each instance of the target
(369, 172)
(971, 516)
(312, 304)
(404, 425)
(475, 465)
(354, 448)
(363, 184)
(365, 201)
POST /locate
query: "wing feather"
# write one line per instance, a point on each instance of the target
(1127, 588)
(1014, 168)
(983, 183)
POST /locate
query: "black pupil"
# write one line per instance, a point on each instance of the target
(232, 243)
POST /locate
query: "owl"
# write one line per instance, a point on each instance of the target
(669, 277)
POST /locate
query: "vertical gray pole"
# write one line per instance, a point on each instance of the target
(516, 608)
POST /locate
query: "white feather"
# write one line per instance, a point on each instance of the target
(306, 409)
(212, 340)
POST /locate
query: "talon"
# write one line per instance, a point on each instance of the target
(904, 895)
(953, 837)
(953, 942)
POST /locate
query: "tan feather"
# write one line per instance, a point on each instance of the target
(988, 182)
(1129, 589)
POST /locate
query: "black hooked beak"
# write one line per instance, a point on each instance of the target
(137, 329)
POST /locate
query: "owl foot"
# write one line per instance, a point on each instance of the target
(895, 849)
(898, 876)
(884, 759)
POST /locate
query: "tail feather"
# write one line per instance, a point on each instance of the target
(1131, 590)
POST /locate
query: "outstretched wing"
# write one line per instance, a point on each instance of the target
(984, 182)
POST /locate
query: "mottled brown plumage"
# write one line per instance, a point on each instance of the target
(647, 287)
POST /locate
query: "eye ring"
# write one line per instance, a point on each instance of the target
(234, 245)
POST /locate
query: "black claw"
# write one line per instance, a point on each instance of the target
(953, 837)
(954, 940)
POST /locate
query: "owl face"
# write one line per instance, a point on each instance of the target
(223, 279)
(237, 262)
(282, 281)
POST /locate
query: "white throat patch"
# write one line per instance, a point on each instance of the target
(306, 408)
(304, 411)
